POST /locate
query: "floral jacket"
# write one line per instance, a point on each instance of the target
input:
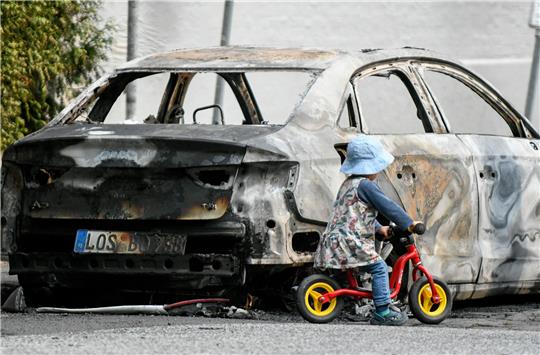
(349, 238)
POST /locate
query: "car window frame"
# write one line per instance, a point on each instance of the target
(175, 92)
(349, 103)
(415, 89)
(91, 94)
(518, 124)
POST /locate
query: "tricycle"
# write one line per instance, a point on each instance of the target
(319, 297)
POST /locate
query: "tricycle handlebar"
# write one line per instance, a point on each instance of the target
(419, 228)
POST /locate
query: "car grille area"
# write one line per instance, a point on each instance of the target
(212, 256)
(197, 264)
(53, 235)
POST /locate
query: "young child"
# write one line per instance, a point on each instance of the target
(349, 239)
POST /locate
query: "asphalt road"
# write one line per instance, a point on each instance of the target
(472, 328)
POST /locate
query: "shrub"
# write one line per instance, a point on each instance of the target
(50, 51)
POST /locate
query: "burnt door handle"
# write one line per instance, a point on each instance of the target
(533, 145)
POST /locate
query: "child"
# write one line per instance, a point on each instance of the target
(348, 241)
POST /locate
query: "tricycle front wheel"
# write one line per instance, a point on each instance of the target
(423, 307)
(307, 299)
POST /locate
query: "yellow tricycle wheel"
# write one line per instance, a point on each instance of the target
(312, 303)
(422, 305)
(308, 294)
(426, 303)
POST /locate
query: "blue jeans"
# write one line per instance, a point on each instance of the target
(379, 283)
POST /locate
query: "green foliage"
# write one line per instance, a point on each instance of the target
(50, 51)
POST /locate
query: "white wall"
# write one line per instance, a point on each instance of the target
(492, 37)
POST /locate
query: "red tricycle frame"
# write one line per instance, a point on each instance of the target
(395, 279)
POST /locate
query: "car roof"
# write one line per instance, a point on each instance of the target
(257, 58)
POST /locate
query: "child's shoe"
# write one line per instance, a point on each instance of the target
(390, 317)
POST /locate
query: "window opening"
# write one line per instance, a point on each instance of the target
(149, 92)
(465, 111)
(200, 93)
(346, 118)
(389, 104)
(173, 97)
(278, 92)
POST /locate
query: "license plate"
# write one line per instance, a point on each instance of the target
(109, 242)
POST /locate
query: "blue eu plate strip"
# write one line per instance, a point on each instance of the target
(80, 240)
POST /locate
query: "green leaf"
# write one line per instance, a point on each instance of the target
(47, 48)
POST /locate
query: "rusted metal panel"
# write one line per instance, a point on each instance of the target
(250, 189)
(12, 186)
(258, 198)
(235, 57)
(435, 180)
(108, 193)
(508, 176)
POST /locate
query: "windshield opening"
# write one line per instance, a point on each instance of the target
(229, 98)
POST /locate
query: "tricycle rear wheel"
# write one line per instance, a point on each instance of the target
(423, 307)
(307, 299)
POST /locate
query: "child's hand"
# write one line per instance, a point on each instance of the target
(385, 232)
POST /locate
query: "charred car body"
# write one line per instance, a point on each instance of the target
(167, 204)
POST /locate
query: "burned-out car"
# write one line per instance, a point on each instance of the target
(182, 195)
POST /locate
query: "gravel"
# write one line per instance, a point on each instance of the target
(204, 335)
(472, 329)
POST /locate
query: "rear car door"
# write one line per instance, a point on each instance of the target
(433, 174)
(506, 161)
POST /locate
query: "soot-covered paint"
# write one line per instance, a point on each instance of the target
(250, 200)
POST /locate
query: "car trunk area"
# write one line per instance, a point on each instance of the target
(150, 187)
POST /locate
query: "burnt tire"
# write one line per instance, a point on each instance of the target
(307, 299)
(423, 307)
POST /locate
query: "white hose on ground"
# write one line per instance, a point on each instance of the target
(152, 309)
(143, 309)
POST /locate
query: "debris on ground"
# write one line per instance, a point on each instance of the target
(10, 287)
(15, 301)
(192, 308)
(214, 310)
(240, 313)
(357, 312)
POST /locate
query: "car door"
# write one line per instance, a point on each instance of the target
(433, 174)
(506, 161)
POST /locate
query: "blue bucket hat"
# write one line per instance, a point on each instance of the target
(365, 156)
